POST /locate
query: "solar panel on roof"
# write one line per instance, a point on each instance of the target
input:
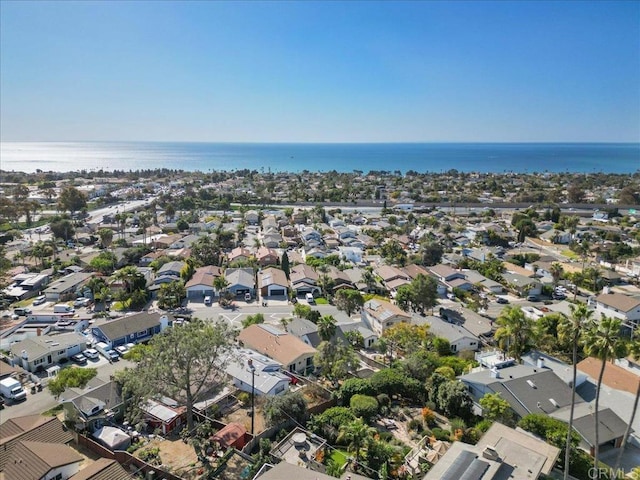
(475, 471)
(459, 466)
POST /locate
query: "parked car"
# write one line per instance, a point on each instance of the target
(22, 312)
(113, 355)
(91, 353)
(40, 300)
(502, 300)
(207, 300)
(81, 302)
(533, 298)
(79, 358)
(121, 349)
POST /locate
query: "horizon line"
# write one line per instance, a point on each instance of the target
(412, 142)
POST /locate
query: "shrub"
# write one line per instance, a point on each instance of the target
(415, 424)
(244, 398)
(440, 434)
(428, 416)
(364, 406)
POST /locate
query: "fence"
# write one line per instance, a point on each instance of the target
(371, 362)
(125, 459)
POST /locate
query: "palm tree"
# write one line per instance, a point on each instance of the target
(357, 433)
(220, 284)
(556, 271)
(368, 279)
(515, 331)
(95, 285)
(144, 220)
(570, 331)
(602, 340)
(634, 351)
(326, 327)
(130, 278)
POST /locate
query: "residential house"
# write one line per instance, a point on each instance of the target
(272, 282)
(271, 239)
(36, 354)
(239, 254)
(164, 416)
(94, 406)
(459, 338)
(501, 449)
(293, 353)
(339, 279)
(184, 242)
(483, 282)
(267, 256)
(252, 217)
(351, 254)
(201, 284)
(369, 337)
(522, 285)
(379, 315)
(67, 287)
(304, 279)
(539, 390)
(240, 281)
(556, 236)
(305, 330)
(252, 371)
(169, 272)
(621, 306)
(450, 278)
(31, 460)
(293, 470)
(102, 469)
(136, 328)
(29, 428)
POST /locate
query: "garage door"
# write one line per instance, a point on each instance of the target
(278, 292)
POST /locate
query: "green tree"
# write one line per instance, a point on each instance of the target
(348, 300)
(327, 423)
(335, 360)
(70, 378)
(171, 295)
(425, 291)
(131, 278)
(205, 252)
(453, 400)
(185, 363)
(496, 408)
(602, 340)
(353, 386)
(253, 319)
(570, 331)
(106, 236)
(284, 264)
(220, 284)
(515, 331)
(301, 310)
(62, 228)
(356, 434)
(71, 200)
(105, 262)
(364, 406)
(281, 408)
(327, 327)
(556, 271)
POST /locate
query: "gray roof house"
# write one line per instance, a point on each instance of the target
(241, 280)
(38, 353)
(459, 338)
(95, 405)
(68, 285)
(132, 329)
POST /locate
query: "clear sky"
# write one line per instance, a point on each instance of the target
(320, 71)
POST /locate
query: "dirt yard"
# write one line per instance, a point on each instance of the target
(177, 456)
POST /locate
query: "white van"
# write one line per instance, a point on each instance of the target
(207, 300)
(309, 298)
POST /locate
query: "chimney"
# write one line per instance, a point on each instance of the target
(38, 331)
(540, 362)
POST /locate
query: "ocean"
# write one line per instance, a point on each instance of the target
(343, 157)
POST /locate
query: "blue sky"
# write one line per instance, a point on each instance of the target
(320, 71)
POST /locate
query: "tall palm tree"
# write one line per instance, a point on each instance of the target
(515, 331)
(570, 330)
(357, 434)
(634, 351)
(602, 340)
(556, 271)
(326, 327)
(220, 284)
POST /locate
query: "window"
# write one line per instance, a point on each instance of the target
(142, 334)
(57, 477)
(279, 389)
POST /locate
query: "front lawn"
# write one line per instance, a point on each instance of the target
(339, 457)
(322, 301)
